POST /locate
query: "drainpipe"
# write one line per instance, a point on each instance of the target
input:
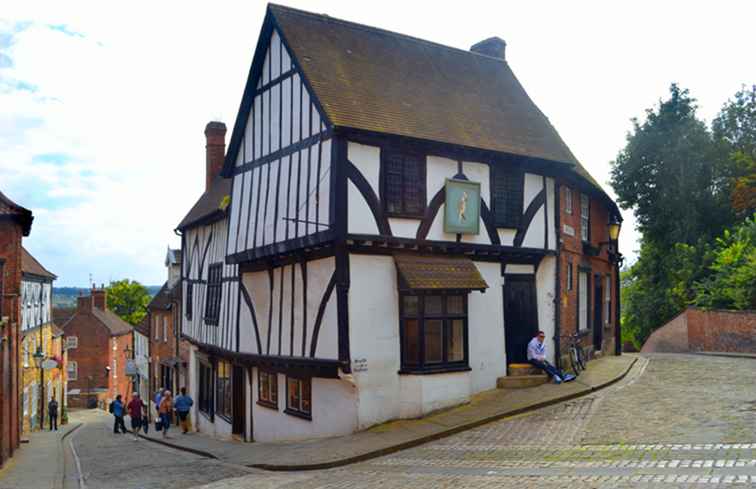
(617, 327)
(557, 282)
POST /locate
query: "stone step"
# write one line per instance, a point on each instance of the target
(521, 381)
(518, 369)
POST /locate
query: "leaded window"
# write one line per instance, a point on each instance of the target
(507, 189)
(299, 396)
(433, 331)
(267, 389)
(213, 299)
(189, 297)
(403, 183)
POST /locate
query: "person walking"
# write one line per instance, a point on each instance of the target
(137, 413)
(117, 408)
(183, 404)
(165, 409)
(52, 409)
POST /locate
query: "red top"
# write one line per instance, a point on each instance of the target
(135, 408)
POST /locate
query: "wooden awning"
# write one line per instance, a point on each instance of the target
(424, 272)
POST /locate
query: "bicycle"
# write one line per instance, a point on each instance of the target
(576, 354)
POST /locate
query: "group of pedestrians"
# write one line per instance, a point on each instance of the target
(165, 405)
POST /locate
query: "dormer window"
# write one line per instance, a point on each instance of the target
(403, 183)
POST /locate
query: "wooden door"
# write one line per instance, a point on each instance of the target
(598, 326)
(238, 402)
(520, 315)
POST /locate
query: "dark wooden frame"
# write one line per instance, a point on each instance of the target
(293, 411)
(389, 150)
(271, 376)
(220, 403)
(213, 294)
(445, 366)
(496, 171)
(206, 390)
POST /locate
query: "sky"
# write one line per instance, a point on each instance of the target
(103, 104)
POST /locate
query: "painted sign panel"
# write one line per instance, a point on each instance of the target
(131, 367)
(462, 209)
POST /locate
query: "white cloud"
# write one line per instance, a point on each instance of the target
(127, 89)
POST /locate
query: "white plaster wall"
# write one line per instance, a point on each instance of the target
(553, 209)
(375, 343)
(334, 412)
(526, 269)
(479, 172)
(438, 169)
(507, 236)
(545, 278)
(361, 219)
(536, 234)
(404, 228)
(533, 185)
(486, 330)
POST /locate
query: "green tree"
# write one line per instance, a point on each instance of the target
(128, 299)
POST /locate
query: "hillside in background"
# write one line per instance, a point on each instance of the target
(66, 296)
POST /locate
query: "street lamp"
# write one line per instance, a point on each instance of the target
(39, 357)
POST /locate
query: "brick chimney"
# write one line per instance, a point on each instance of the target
(493, 46)
(84, 303)
(100, 298)
(215, 150)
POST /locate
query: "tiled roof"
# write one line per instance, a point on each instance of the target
(144, 326)
(165, 297)
(379, 81)
(30, 265)
(110, 320)
(11, 210)
(210, 206)
(418, 272)
(61, 315)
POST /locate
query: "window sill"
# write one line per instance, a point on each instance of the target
(268, 405)
(298, 414)
(400, 215)
(434, 370)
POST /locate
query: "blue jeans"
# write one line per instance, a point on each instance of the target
(547, 367)
(165, 420)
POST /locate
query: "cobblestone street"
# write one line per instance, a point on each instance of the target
(674, 421)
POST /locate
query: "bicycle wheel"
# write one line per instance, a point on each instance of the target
(574, 361)
(580, 357)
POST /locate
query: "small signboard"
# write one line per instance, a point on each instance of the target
(462, 209)
(131, 367)
(49, 364)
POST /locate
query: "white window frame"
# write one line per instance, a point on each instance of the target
(165, 329)
(607, 298)
(155, 320)
(583, 303)
(585, 217)
(567, 200)
(73, 366)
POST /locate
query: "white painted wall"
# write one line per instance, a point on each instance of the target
(374, 338)
(545, 279)
(279, 317)
(334, 412)
(36, 303)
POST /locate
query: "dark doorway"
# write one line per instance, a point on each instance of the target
(520, 315)
(239, 404)
(598, 326)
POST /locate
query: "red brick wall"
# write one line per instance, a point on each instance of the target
(10, 254)
(670, 338)
(161, 349)
(119, 383)
(572, 252)
(722, 331)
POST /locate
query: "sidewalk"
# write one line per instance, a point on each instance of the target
(39, 463)
(397, 435)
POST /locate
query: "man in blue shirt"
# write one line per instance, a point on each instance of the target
(182, 404)
(537, 357)
(117, 409)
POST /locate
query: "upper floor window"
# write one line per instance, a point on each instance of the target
(568, 200)
(585, 217)
(155, 327)
(72, 370)
(72, 342)
(433, 331)
(569, 276)
(213, 298)
(189, 297)
(507, 188)
(403, 183)
(165, 329)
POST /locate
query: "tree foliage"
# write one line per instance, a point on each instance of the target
(128, 299)
(687, 185)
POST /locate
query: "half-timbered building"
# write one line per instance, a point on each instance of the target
(395, 219)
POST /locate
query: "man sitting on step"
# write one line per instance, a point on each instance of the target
(537, 357)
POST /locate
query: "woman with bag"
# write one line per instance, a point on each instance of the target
(165, 410)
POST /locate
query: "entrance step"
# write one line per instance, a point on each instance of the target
(521, 381)
(520, 369)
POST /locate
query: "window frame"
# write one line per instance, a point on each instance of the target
(570, 276)
(568, 200)
(588, 323)
(206, 391)
(213, 293)
(72, 342)
(223, 390)
(189, 300)
(607, 298)
(585, 217)
(502, 218)
(406, 154)
(446, 318)
(156, 329)
(271, 399)
(299, 411)
(165, 328)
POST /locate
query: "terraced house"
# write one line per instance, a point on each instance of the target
(403, 218)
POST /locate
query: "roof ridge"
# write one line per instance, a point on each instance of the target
(357, 25)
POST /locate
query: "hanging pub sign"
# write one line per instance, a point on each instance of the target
(131, 368)
(462, 209)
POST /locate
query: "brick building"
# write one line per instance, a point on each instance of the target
(15, 223)
(167, 367)
(97, 341)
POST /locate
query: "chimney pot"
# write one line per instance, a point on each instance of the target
(494, 47)
(215, 150)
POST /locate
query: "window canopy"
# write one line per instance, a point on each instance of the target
(433, 273)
